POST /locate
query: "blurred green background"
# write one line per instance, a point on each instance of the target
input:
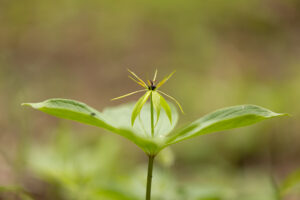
(225, 53)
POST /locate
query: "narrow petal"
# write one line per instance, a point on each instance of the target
(178, 104)
(126, 95)
(155, 74)
(166, 107)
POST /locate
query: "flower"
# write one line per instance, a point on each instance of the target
(152, 92)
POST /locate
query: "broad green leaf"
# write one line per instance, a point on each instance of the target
(166, 107)
(138, 106)
(73, 110)
(223, 119)
(115, 119)
(156, 104)
(290, 182)
(77, 111)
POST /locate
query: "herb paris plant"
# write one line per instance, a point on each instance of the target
(149, 134)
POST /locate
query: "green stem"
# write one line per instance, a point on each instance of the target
(151, 157)
(152, 116)
(149, 177)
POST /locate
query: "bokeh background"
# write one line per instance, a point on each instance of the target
(225, 53)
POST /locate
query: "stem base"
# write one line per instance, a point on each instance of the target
(149, 177)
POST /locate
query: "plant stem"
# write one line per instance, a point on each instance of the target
(149, 177)
(152, 116)
(151, 157)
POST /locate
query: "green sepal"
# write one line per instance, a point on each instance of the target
(156, 104)
(138, 106)
(166, 107)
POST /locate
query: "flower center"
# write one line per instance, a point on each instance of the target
(151, 86)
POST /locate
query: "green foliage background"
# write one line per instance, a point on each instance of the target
(225, 53)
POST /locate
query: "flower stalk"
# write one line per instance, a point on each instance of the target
(149, 176)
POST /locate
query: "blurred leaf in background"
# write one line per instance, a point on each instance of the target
(12, 192)
(291, 184)
(90, 169)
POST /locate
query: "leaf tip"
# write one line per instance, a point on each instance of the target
(283, 114)
(26, 104)
(32, 105)
(275, 114)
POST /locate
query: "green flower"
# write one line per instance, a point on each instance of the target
(155, 95)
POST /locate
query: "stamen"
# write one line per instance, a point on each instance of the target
(165, 80)
(138, 78)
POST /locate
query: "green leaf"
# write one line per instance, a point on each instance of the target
(77, 111)
(223, 119)
(73, 110)
(115, 119)
(138, 106)
(166, 107)
(156, 104)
